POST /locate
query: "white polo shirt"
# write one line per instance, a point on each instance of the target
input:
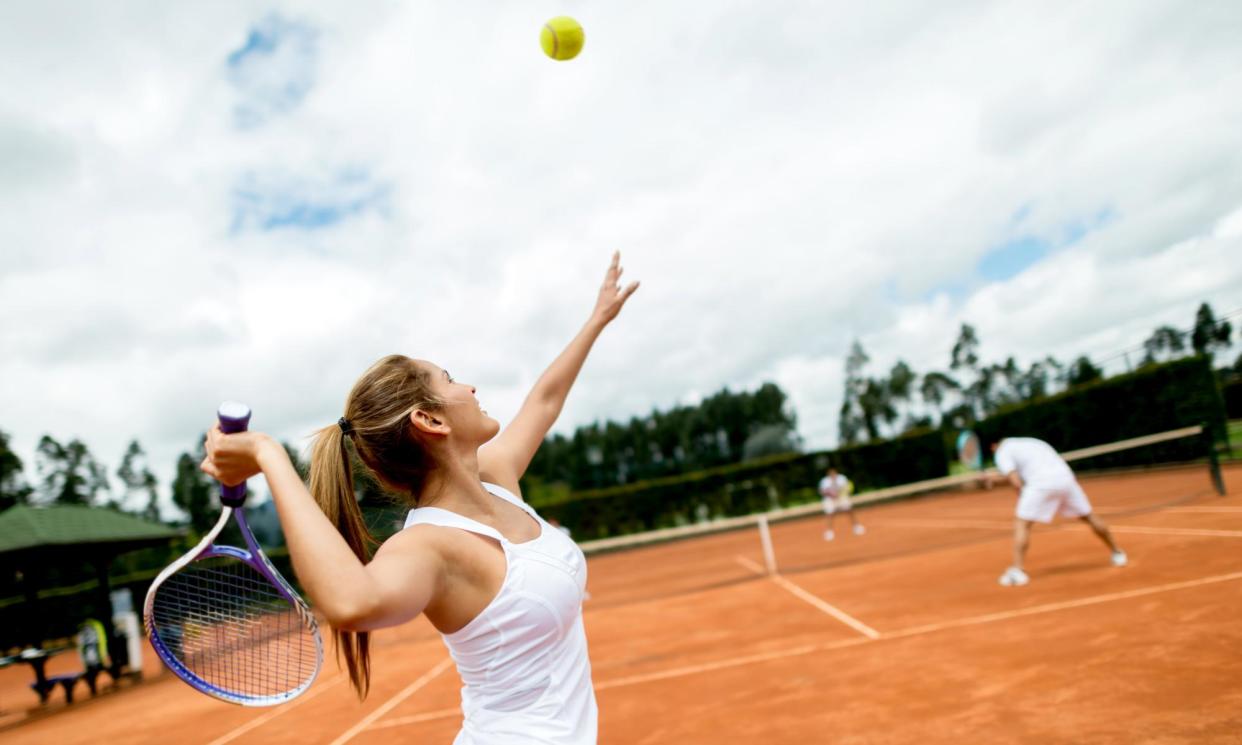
(1035, 461)
(833, 488)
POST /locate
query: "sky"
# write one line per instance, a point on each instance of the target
(255, 201)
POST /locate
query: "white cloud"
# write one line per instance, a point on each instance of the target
(783, 177)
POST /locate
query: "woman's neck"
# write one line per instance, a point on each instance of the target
(455, 485)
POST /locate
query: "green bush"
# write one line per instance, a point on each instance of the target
(743, 488)
(1232, 393)
(1153, 399)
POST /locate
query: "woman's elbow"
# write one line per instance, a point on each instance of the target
(368, 615)
(348, 614)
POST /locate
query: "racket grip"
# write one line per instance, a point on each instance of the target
(234, 417)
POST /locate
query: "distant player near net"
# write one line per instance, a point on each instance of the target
(835, 490)
(503, 587)
(1046, 487)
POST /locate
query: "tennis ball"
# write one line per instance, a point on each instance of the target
(562, 38)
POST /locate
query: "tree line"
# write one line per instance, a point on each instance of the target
(726, 427)
(969, 389)
(68, 473)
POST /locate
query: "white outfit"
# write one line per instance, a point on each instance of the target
(835, 492)
(1048, 484)
(523, 660)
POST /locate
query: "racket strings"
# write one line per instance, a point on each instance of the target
(232, 628)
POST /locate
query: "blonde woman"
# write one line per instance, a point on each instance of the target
(502, 586)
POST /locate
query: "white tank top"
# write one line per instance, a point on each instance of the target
(523, 659)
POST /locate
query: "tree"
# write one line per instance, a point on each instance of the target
(979, 393)
(1035, 383)
(851, 419)
(901, 380)
(1082, 371)
(1164, 340)
(13, 490)
(965, 349)
(192, 492)
(1209, 334)
(70, 474)
(770, 439)
(935, 387)
(876, 402)
(965, 355)
(138, 482)
(849, 425)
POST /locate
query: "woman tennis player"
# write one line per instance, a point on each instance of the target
(503, 587)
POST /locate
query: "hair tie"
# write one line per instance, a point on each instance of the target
(345, 426)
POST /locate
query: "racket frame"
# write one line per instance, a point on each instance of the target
(232, 498)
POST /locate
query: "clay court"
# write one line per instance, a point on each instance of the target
(898, 636)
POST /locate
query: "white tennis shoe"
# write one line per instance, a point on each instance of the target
(859, 529)
(1120, 559)
(829, 535)
(1014, 577)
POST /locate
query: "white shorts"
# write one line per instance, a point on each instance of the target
(840, 504)
(1040, 502)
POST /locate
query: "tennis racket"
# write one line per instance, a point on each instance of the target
(968, 450)
(224, 620)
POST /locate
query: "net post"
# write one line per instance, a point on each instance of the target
(765, 538)
(1218, 481)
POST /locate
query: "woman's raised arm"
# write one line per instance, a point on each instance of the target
(505, 458)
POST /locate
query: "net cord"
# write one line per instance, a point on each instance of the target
(870, 497)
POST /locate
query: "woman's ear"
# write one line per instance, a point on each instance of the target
(429, 423)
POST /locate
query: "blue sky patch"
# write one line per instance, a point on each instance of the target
(276, 202)
(273, 71)
(1016, 255)
(1012, 258)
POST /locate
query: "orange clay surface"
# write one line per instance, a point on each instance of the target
(901, 635)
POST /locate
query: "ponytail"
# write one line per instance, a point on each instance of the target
(377, 422)
(332, 486)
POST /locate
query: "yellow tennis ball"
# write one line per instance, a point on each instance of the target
(562, 38)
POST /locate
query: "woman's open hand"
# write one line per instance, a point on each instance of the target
(611, 296)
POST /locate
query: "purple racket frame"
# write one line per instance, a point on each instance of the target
(234, 417)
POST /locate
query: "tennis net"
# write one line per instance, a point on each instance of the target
(1121, 478)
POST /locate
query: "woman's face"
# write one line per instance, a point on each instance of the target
(462, 411)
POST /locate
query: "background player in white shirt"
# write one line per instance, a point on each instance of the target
(1046, 487)
(835, 490)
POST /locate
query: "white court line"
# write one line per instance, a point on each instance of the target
(900, 634)
(680, 672)
(826, 607)
(1146, 530)
(1050, 607)
(807, 597)
(1227, 510)
(388, 705)
(272, 714)
(415, 719)
(1175, 531)
(932, 522)
(752, 566)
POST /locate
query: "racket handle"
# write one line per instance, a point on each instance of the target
(234, 417)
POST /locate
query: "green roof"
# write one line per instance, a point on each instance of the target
(24, 528)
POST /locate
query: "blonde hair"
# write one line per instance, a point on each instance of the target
(378, 415)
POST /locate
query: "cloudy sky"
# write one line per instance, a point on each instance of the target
(256, 200)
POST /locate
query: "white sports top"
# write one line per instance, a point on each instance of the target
(1036, 462)
(833, 488)
(523, 659)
